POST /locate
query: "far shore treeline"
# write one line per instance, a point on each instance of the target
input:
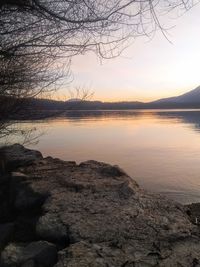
(188, 100)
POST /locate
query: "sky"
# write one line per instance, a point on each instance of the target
(148, 69)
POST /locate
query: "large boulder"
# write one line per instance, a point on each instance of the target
(17, 155)
(97, 215)
(97, 209)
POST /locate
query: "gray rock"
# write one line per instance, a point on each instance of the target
(110, 211)
(51, 228)
(99, 217)
(17, 155)
(193, 211)
(81, 255)
(39, 253)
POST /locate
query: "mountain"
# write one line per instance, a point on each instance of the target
(192, 97)
(190, 100)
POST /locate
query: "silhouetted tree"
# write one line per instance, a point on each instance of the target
(39, 37)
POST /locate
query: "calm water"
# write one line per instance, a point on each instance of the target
(159, 149)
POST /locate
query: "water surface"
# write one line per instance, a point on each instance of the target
(160, 149)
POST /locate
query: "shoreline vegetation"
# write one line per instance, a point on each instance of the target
(35, 108)
(59, 213)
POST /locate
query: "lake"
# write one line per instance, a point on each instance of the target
(160, 149)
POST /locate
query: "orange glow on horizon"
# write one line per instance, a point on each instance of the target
(62, 96)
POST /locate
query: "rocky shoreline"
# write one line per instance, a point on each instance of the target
(58, 213)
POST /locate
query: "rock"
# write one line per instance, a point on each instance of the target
(37, 254)
(6, 234)
(5, 199)
(17, 155)
(110, 211)
(81, 254)
(51, 228)
(103, 169)
(98, 216)
(25, 228)
(193, 211)
(26, 198)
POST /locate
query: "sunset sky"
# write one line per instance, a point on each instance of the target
(148, 69)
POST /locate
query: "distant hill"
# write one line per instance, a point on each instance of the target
(74, 100)
(94, 105)
(190, 99)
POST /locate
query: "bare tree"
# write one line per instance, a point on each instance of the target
(67, 28)
(39, 37)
